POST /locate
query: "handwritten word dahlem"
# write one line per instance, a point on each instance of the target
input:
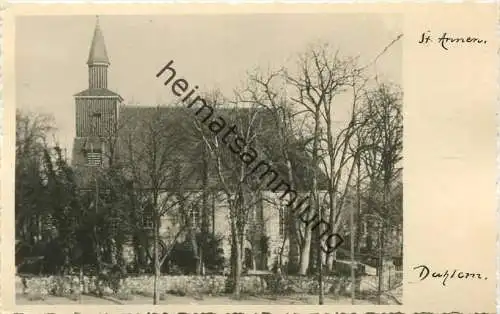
(425, 272)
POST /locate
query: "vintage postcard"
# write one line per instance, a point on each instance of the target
(252, 158)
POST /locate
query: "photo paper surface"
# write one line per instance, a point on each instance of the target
(251, 158)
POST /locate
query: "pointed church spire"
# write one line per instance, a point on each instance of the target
(98, 60)
(98, 53)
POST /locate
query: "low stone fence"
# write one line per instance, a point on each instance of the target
(41, 286)
(189, 285)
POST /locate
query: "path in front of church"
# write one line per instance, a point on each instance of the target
(173, 299)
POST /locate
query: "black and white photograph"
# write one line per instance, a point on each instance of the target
(252, 159)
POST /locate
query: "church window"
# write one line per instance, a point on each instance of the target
(147, 219)
(195, 215)
(282, 219)
(94, 157)
(115, 225)
(364, 232)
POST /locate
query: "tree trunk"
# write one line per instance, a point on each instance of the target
(156, 257)
(96, 238)
(82, 284)
(315, 194)
(330, 259)
(304, 252)
(236, 251)
(315, 249)
(140, 254)
(293, 236)
(381, 264)
(237, 270)
(236, 262)
(381, 239)
(114, 252)
(196, 250)
(359, 219)
(353, 264)
(201, 264)
(205, 210)
(294, 246)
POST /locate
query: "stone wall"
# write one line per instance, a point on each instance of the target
(189, 285)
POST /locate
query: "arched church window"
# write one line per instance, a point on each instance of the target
(147, 218)
(282, 218)
(114, 225)
(195, 215)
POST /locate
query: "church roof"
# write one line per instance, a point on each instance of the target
(177, 137)
(185, 145)
(103, 92)
(98, 53)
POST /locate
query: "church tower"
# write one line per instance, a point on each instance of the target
(96, 109)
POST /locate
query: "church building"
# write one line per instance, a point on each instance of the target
(108, 131)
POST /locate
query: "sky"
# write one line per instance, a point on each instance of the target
(212, 51)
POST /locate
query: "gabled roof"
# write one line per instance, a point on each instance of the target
(173, 130)
(185, 144)
(103, 92)
(98, 53)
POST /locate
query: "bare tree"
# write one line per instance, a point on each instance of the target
(321, 78)
(383, 132)
(154, 162)
(231, 162)
(268, 91)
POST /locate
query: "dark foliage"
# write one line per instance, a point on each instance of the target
(183, 259)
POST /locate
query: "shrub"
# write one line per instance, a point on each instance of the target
(182, 257)
(103, 291)
(344, 270)
(147, 294)
(37, 296)
(111, 277)
(274, 284)
(64, 286)
(177, 292)
(175, 269)
(74, 296)
(124, 293)
(124, 296)
(229, 285)
(214, 285)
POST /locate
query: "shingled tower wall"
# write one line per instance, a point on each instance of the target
(96, 107)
